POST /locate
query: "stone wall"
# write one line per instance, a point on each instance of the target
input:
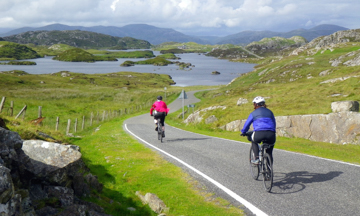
(342, 126)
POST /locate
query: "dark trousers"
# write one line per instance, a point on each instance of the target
(161, 116)
(268, 137)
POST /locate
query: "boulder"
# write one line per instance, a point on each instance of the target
(54, 161)
(343, 106)
(154, 202)
(242, 101)
(33, 171)
(210, 119)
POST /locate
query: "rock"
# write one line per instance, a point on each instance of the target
(343, 106)
(156, 204)
(211, 119)
(2, 124)
(93, 182)
(6, 185)
(36, 171)
(340, 127)
(55, 161)
(242, 101)
(196, 117)
(63, 194)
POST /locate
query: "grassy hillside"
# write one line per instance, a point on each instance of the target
(292, 85)
(14, 51)
(306, 83)
(121, 163)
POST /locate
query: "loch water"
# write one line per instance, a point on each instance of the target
(200, 74)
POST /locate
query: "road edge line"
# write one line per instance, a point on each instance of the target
(244, 202)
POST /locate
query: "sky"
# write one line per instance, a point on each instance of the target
(192, 17)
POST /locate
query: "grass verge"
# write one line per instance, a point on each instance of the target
(125, 166)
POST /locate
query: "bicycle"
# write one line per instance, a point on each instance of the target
(264, 166)
(159, 130)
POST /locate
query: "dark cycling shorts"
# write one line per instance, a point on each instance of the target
(160, 115)
(268, 137)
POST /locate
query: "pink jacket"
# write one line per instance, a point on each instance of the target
(159, 106)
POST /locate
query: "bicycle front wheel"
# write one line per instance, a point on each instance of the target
(254, 168)
(267, 171)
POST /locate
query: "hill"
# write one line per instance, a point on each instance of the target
(149, 33)
(13, 51)
(305, 82)
(77, 38)
(246, 37)
(157, 35)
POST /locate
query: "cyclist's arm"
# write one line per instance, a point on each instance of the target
(247, 124)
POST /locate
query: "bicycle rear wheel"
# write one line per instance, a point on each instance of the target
(254, 168)
(268, 172)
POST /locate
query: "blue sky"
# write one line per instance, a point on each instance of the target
(194, 17)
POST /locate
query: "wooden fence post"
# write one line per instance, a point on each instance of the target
(91, 118)
(22, 111)
(68, 127)
(11, 108)
(103, 117)
(2, 103)
(40, 112)
(83, 123)
(57, 124)
(76, 122)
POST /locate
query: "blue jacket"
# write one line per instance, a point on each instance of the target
(262, 119)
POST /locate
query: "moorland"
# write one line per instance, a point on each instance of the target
(289, 76)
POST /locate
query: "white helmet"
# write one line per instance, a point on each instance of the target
(258, 99)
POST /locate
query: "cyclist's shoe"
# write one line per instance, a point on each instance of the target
(156, 129)
(255, 161)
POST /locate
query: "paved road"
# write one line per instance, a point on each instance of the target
(303, 185)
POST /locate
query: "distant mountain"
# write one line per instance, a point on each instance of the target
(77, 38)
(149, 33)
(246, 37)
(157, 35)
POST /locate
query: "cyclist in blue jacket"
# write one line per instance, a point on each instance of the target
(264, 125)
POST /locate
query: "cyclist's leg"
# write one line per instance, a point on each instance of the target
(162, 121)
(269, 137)
(155, 121)
(255, 148)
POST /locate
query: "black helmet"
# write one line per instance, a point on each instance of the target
(159, 97)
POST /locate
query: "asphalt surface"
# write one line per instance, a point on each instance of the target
(303, 185)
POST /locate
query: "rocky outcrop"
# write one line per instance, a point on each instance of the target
(328, 42)
(275, 45)
(197, 116)
(342, 126)
(43, 178)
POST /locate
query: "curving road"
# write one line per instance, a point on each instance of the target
(303, 185)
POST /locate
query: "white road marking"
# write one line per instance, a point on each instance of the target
(247, 204)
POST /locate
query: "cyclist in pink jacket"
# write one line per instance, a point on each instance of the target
(159, 110)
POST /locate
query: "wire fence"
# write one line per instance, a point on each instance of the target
(68, 125)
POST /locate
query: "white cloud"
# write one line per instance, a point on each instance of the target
(113, 5)
(276, 15)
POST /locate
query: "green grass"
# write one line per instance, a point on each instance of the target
(125, 166)
(76, 95)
